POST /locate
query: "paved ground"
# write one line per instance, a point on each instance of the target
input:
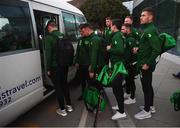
(164, 85)
(44, 115)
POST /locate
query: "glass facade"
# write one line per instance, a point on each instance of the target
(167, 18)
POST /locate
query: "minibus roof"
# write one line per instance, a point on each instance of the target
(60, 4)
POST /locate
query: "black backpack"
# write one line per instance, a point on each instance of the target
(64, 51)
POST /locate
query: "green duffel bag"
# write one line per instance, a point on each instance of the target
(167, 42)
(90, 97)
(175, 100)
(107, 75)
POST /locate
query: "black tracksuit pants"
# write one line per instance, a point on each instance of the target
(130, 83)
(146, 80)
(59, 79)
(83, 76)
(118, 91)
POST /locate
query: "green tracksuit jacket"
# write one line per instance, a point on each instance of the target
(97, 59)
(130, 43)
(135, 34)
(50, 41)
(82, 56)
(89, 52)
(107, 35)
(117, 48)
(149, 46)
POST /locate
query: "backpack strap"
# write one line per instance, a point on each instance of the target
(162, 45)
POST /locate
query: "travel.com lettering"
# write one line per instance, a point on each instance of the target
(5, 97)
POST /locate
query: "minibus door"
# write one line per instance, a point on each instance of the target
(42, 19)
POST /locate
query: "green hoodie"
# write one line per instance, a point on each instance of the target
(149, 46)
(50, 41)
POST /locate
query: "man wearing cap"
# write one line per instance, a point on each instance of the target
(57, 73)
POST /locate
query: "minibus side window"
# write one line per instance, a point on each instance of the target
(70, 26)
(79, 20)
(16, 31)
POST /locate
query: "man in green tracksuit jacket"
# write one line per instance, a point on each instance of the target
(149, 49)
(50, 41)
(97, 58)
(89, 53)
(57, 73)
(95, 52)
(134, 32)
(130, 62)
(116, 51)
(82, 60)
(107, 33)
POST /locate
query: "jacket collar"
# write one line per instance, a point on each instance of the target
(147, 25)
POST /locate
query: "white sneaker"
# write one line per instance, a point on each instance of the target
(118, 115)
(143, 115)
(152, 109)
(61, 112)
(69, 108)
(126, 95)
(115, 107)
(130, 101)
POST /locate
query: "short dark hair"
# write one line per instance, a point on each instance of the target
(127, 25)
(85, 25)
(149, 10)
(130, 17)
(108, 18)
(117, 23)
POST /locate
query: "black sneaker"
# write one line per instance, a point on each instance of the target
(176, 75)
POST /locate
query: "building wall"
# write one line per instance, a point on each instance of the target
(167, 17)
